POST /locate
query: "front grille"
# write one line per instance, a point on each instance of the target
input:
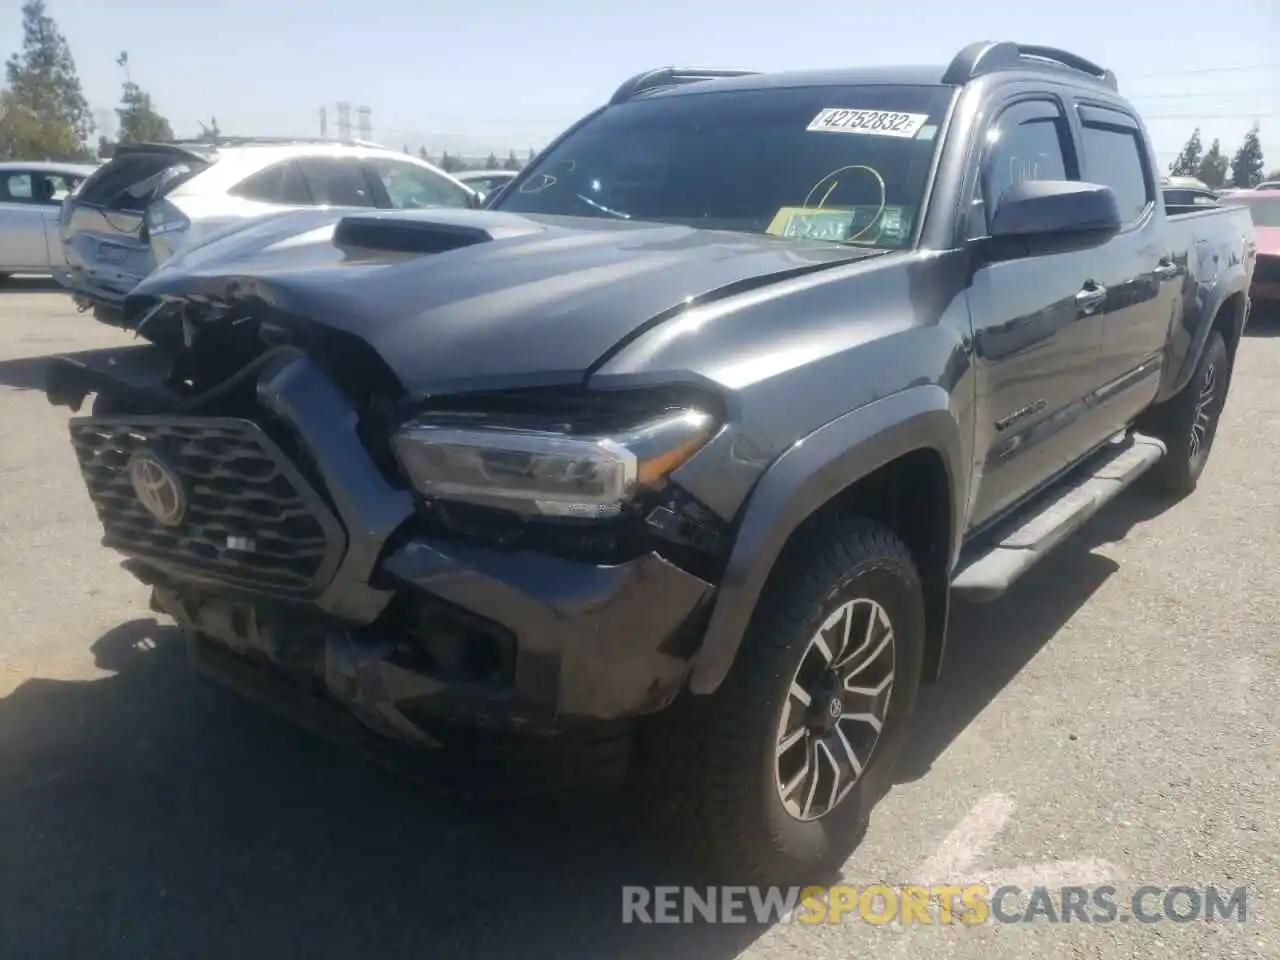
(250, 520)
(1267, 270)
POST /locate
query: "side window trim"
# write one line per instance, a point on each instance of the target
(1053, 107)
(1099, 116)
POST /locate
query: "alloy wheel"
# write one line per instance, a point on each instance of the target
(1202, 421)
(835, 709)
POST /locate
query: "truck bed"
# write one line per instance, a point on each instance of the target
(1211, 240)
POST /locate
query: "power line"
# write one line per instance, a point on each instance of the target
(1211, 116)
(1204, 70)
(1199, 94)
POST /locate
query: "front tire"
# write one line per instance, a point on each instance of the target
(802, 735)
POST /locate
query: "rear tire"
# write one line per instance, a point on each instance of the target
(779, 780)
(1188, 422)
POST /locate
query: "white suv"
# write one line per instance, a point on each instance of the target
(154, 200)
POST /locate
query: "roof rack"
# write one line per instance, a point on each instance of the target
(670, 77)
(987, 56)
(221, 141)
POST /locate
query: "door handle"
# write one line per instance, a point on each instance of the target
(1165, 269)
(1090, 297)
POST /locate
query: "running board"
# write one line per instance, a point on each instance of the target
(1019, 544)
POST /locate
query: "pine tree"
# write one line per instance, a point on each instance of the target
(422, 153)
(512, 162)
(1246, 166)
(491, 163)
(1213, 168)
(46, 115)
(529, 159)
(139, 121)
(1189, 160)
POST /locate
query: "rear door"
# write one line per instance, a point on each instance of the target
(22, 239)
(1037, 320)
(1141, 274)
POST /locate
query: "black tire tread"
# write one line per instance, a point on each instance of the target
(704, 784)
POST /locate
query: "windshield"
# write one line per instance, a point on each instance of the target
(849, 164)
(1265, 211)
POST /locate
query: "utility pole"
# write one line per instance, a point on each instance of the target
(364, 122)
(344, 120)
(324, 122)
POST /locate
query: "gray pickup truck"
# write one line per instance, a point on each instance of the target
(695, 431)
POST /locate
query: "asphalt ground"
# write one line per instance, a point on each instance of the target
(1111, 721)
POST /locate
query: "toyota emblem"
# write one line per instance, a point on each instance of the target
(158, 488)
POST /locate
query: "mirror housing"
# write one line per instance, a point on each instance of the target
(1055, 214)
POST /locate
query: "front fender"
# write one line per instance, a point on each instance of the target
(1234, 282)
(810, 474)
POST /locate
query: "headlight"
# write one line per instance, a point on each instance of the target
(548, 473)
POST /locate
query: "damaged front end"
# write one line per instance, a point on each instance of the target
(252, 479)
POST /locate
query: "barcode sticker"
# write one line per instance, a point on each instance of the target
(876, 123)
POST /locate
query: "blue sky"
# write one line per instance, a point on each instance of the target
(480, 76)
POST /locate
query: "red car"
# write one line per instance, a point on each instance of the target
(1264, 206)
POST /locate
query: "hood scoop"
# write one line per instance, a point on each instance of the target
(428, 231)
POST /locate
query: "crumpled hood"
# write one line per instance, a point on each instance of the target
(525, 301)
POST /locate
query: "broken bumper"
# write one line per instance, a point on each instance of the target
(303, 559)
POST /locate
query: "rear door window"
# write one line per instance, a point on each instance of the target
(336, 181)
(281, 183)
(1115, 155)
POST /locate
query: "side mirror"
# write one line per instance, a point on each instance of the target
(1056, 213)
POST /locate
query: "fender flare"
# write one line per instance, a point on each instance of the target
(809, 475)
(1233, 284)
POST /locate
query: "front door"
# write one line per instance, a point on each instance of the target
(22, 228)
(1038, 325)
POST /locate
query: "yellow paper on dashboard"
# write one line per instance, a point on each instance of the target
(812, 223)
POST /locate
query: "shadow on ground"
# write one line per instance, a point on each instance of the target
(28, 373)
(150, 814)
(990, 643)
(29, 284)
